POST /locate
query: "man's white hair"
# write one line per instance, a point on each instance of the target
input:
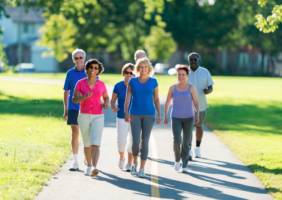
(76, 51)
(139, 54)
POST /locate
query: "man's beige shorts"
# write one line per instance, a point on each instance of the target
(202, 116)
(91, 128)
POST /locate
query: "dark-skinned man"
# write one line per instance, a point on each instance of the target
(201, 78)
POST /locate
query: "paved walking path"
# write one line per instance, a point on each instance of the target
(217, 175)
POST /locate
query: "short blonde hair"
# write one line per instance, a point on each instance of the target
(146, 62)
(126, 66)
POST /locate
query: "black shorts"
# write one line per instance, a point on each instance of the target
(72, 117)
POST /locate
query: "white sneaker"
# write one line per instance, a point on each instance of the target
(141, 173)
(74, 167)
(185, 170)
(197, 152)
(128, 167)
(177, 166)
(134, 169)
(121, 163)
(190, 154)
(94, 172)
(87, 171)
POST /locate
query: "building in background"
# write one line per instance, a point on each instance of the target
(31, 21)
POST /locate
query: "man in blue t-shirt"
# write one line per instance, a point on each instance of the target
(70, 109)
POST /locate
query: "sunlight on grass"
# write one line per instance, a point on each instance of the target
(34, 139)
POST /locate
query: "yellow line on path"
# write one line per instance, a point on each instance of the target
(154, 169)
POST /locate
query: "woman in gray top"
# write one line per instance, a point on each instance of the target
(182, 116)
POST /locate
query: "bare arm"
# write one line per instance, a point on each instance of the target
(167, 103)
(66, 103)
(106, 101)
(113, 100)
(196, 102)
(126, 104)
(77, 99)
(209, 90)
(157, 104)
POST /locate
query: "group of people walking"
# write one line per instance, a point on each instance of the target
(137, 99)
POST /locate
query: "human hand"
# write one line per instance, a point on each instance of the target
(197, 119)
(206, 91)
(165, 121)
(66, 115)
(89, 94)
(115, 110)
(158, 120)
(127, 117)
(105, 106)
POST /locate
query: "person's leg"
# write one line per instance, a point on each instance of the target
(95, 153)
(135, 123)
(199, 133)
(129, 144)
(74, 141)
(188, 125)
(176, 126)
(147, 125)
(122, 130)
(96, 130)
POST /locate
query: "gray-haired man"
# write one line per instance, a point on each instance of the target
(201, 78)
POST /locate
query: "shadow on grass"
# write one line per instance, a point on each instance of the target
(245, 117)
(276, 171)
(32, 107)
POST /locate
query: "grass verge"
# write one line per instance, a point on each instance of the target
(246, 114)
(34, 140)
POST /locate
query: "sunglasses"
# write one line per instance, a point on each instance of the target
(195, 59)
(96, 68)
(128, 73)
(76, 58)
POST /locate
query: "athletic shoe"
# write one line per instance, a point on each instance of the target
(87, 171)
(134, 169)
(128, 167)
(197, 152)
(121, 163)
(185, 170)
(141, 173)
(190, 155)
(94, 172)
(177, 166)
(74, 167)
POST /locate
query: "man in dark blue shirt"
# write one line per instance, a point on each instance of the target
(70, 109)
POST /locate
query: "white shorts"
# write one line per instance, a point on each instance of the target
(124, 136)
(91, 128)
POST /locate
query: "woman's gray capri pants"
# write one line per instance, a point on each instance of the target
(182, 147)
(144, 123)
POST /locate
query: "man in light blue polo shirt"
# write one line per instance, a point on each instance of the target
(70, 109)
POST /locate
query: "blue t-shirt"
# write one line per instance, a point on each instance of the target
(142, 96)
(120, 89)
(73, 76)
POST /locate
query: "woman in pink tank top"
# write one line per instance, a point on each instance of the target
(184, 95)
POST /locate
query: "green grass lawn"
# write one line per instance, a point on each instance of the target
(34, 139)
(246, 114)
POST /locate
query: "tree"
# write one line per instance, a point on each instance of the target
(269, 24)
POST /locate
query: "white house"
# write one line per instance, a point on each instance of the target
(31, 21)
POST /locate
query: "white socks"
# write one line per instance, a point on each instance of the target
(75, 157)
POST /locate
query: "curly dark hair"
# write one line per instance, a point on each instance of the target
(94, 61)
(194, 53)
(183, 67)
